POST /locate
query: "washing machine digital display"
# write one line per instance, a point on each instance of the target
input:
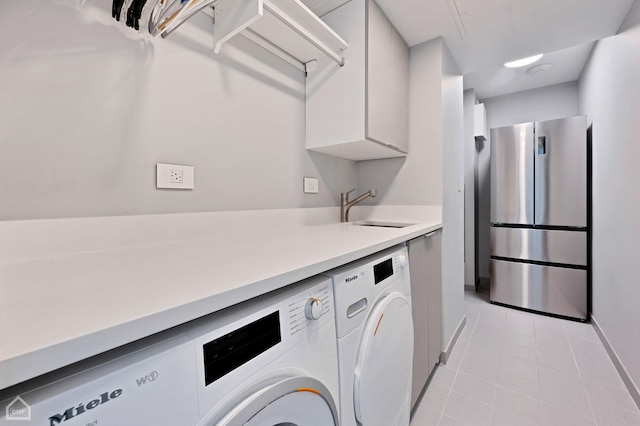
(383, 270)
(228, 352)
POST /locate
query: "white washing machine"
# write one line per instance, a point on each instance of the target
(375, 339)
(268, 361)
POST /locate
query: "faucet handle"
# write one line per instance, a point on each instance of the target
(345, 195)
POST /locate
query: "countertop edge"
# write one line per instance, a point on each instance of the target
(27, 366)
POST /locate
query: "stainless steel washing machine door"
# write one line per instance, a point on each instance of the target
(295, 401)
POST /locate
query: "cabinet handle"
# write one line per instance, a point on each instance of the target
(430, 234)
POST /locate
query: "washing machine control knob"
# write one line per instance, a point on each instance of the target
(313, 309)
(402, 259)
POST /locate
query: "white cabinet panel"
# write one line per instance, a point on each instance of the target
(425, 266)
(363, 104)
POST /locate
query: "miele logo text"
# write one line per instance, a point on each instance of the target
(81, 408)
(351, 278)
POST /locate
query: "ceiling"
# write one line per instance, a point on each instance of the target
(561, 66)
(484, 34)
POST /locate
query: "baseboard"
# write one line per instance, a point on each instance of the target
(624, 374)
(444, 355)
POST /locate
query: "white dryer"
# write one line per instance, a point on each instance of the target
(268, 361)
(375, 339)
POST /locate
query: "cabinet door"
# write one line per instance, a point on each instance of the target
(426, 302)
(434, 260)
(335, 96)
(387, 81)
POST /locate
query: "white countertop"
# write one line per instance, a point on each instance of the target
(104, 282)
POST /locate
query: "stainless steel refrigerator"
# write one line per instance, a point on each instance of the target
(539, 217)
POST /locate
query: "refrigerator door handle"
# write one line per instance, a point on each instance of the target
(542, 145)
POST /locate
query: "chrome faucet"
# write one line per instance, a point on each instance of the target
(345, 204)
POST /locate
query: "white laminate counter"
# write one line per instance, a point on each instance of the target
(82, 296)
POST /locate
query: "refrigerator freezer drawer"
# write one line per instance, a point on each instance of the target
(566, 247)
(554, 290)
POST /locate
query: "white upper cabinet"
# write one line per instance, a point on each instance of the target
(360, 111)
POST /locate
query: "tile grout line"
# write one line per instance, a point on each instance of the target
(574, 339)
(464, 353)
(495, 396)
(538, 398)
(584, 387)
(535, 344)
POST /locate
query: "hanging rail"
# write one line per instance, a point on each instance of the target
(311, 38)
(261, 21)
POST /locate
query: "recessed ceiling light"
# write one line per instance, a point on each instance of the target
(523, 62)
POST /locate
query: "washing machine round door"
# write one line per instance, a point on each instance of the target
(382, 382)
(295, 401)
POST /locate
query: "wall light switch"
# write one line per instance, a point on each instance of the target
(174, 176)
(310, 185)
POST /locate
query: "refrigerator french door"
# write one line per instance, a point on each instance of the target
(539, 205)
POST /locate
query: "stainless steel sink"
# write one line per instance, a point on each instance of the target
(381, 224)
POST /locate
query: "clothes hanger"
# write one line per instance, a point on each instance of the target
(188, 14)
(136, 12)
(131, 12)
(170, 13)
(125, 10)
(145, 16)
(158, 17)
(172, 19)
(116, 9)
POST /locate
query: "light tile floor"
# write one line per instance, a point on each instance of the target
(512, 368)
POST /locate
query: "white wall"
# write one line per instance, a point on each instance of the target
(88, 107)
(429, 175)
(469, 149)
(453, 200)
(546, 103)
(610, 97)
(416, 179)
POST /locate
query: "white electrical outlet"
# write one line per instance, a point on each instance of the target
(174, 176)
(310, 185)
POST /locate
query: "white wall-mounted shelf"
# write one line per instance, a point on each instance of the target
(287, 28)
(322, 7)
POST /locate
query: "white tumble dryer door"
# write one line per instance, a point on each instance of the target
(383, 372)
